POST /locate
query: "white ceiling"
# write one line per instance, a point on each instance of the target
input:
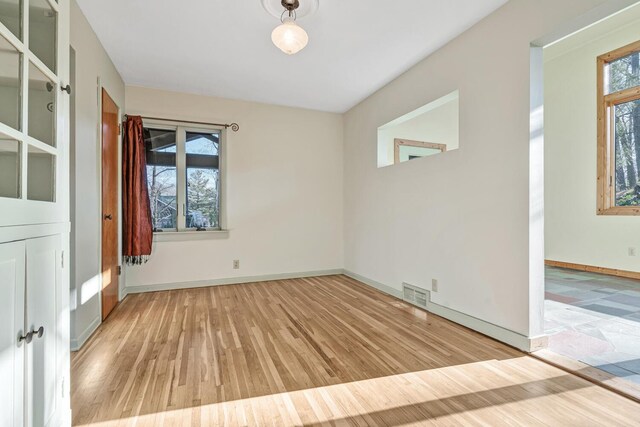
(223, 47)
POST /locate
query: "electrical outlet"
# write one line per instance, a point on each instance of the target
(434, 285)
(632, 251)
(236, 264)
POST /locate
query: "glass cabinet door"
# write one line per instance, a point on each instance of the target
(11, 16)
(10, 84)
(9, 167)
(34, 105)
(42, 32)
(42, 106)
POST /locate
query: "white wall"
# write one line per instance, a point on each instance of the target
(574, 233)
(284, 201)
(462, 217)
(92, 63)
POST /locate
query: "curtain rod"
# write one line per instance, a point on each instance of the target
(234, 126)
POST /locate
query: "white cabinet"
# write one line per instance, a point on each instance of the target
(30, 301)
(34, 213)
(43, 278)
(12, 357)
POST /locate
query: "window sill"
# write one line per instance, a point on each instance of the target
(620, 211)
(185, 236)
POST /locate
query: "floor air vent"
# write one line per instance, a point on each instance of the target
(415, 295)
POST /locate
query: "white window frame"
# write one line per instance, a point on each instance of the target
(181, 130)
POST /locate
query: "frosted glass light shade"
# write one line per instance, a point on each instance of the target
(289, 37)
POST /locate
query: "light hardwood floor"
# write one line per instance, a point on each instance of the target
(317, 351)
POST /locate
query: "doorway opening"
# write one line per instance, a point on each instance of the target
(592, 272)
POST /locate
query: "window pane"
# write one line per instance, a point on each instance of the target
(202, 143)
(42, 106)
(9, 167)
(9, 84)
(41, 172)
(624, 73)
(202, 198)
(203, 180)
(161, 177)
(42, 32)
(11, 16)
(627, 149)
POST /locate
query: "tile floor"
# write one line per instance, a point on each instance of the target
(595, 319)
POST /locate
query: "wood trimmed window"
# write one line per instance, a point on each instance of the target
(619, 131)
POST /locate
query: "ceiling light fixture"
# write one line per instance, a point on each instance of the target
(289, 37)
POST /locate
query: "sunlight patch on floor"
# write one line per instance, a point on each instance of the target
(393, 400)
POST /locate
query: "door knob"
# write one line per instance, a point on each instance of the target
(108, 217)
(26, 338)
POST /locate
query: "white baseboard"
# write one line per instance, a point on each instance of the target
(377, 285)
(507, 336)
(136, 289)
(78, 342)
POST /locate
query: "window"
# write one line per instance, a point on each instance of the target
(619, 131)
(425, 132)
(183, 176)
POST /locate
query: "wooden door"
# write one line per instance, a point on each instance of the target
(12, 320)
(42, 289)
(110, 212)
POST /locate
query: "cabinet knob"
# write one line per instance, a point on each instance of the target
(66, 88)
(27, 337)
(108, 217)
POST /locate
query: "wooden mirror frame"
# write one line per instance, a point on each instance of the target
(398, 142)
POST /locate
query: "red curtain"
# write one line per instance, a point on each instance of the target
(138, 231)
